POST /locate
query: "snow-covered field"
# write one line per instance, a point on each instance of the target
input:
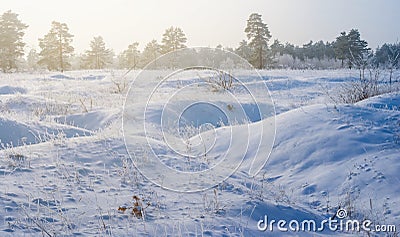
(65, 169)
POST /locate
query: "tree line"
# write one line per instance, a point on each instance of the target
(57, 54)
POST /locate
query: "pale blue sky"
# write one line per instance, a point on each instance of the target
(208, 22)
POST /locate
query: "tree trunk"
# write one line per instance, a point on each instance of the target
(97, 61)
(390, 78)
(60, 53)
(261, 59)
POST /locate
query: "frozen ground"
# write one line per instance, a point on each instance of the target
(64, 168)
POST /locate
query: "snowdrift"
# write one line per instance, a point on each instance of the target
(324, 157)
(14, 133)
(92, 121)
(8, 90)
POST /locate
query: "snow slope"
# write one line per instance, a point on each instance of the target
(14, 133)
(330, 154)
(325, 156)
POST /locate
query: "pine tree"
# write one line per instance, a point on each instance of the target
(11, 44)
(330, 50)
(55, 47)
(258, 34)
(357, 46)
(32, 59)
(350, 47)
(129, 58)
(173, 39)
(98, 56)
(388, 56)
(319, 49)
(341, 47)
(150, 53)
(290, 50)
(277, 48)
(308, 50)
(244, 50)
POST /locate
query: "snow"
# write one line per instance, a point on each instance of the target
(93, 121)
(6, 90)
(14, 133)
(65, 169)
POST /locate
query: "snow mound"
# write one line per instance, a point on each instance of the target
(93, 77)
(9, 90)
(390, 101)
(334, 153)
(92, 121)
(338, 152)
(61, 76)
(13, 133)
(28, 104)
(324, 157)
(89, 77)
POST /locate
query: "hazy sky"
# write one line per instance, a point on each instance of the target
(207, 22)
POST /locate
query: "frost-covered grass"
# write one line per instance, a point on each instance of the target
(64, 169)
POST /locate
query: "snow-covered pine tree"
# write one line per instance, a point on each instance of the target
(11, 44)
(150, 53)
(350, 47)
(98, 56)
(56, 47)
(244, 50)
(32, 60)
(129, 58)
(173, 39)
(258, 35)
(341, 47)
(357, 47)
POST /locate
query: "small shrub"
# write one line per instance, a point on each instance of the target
(221, 80)
(120, 84)
(136, 207)
(364, 87)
